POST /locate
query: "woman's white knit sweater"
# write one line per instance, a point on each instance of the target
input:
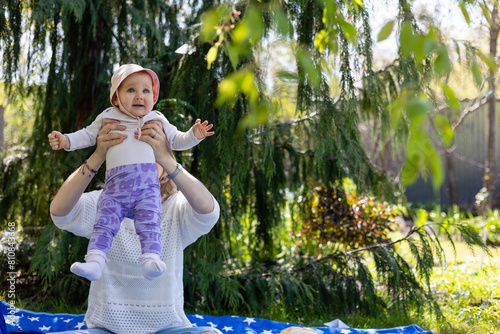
(123, 301)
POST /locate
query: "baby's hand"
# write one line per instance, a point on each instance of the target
(58, 141)
(201, 130)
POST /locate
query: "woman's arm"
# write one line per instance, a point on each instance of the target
(74, 186)
(195, 192)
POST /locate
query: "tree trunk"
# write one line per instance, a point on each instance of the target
(450, 174)
(489, 172)
(93, 64)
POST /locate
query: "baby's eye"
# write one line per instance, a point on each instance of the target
(146, 91)
(130, 90)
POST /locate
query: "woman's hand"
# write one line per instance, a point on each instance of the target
(195, 192)
(107, 139)
(153, 134)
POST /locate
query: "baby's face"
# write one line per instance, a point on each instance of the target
(136, 94)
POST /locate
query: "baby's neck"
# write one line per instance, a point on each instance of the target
(129, 114)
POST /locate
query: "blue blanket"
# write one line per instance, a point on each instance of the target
(19, 320)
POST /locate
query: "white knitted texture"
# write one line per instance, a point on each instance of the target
(123, 301)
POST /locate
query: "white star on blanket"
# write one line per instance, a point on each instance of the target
(249, 321)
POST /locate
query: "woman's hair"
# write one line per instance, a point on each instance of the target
(167, 187)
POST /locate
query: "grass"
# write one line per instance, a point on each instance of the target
(467, 290)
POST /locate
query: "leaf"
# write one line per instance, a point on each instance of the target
(282, 23)
(320, 41)
(255, 24)
(329, 12)
(442, 63)
(451, 97)
(233, 54)
(247, 84)
(416, 109)
(385, 31)
(465, 13)
(410, 170)
(287, 75)
(307, 64)
(209, 22)
(407, 41)
(227, 91)
(419, 49)
(396, 110)
(241, 34)
(435, 166)
(422, 158)
(254, 118)
(486, 12)
(248, 30)
(211, 55)
(349, 31)
(358, 3)
(476, 74)
(488, 61)
(444, 129)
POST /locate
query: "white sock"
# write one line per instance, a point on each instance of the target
(152, 266)
(95, 261)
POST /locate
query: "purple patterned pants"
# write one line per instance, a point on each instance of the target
(131, 191)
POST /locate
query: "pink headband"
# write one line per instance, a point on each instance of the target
(124, 71)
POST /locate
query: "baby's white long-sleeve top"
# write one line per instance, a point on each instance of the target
(120, 154)
(123, 301)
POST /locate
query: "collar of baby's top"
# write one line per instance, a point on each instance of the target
(115, 109)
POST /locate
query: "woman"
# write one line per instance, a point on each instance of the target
(123, 301)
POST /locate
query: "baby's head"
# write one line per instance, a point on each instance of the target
(134, 89)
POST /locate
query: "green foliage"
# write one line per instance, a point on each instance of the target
(468, 293)
(256, 157)
(368, 280)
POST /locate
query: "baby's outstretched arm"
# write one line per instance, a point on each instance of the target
(202, 130)
(58, 141)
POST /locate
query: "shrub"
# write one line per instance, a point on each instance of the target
(332, 215)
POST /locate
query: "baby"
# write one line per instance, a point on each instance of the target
(132, 187)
